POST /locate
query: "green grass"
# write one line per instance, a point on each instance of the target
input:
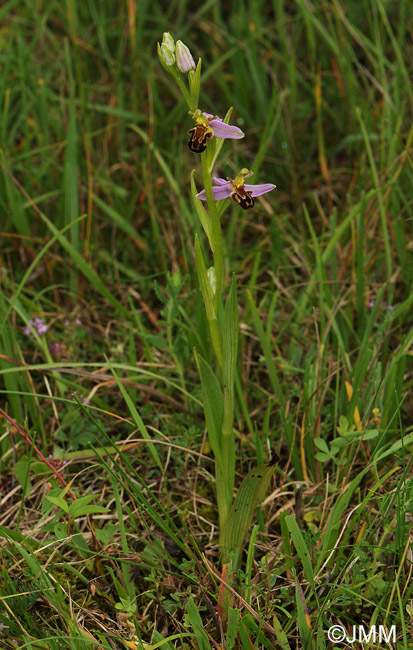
(97, 239)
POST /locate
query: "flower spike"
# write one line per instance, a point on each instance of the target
(237, 190)
(206, 127)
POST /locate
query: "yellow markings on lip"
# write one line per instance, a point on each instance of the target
(242, 197)
(200, 134)
(239, 194)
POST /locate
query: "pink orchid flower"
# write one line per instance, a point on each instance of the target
(237, 190)
(206, 127)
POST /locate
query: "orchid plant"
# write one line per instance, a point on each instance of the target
(207, 136)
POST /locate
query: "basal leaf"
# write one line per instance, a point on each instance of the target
(251, 492)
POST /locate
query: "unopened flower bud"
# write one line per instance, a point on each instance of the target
(168, 41)
(166, 55)
(184, 59)
(212, 279)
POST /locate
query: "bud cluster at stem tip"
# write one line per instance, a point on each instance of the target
(179, 54)
(176, 58)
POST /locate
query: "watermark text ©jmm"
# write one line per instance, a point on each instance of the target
(360, 634)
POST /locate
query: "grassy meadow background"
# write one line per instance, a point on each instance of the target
(96, 240)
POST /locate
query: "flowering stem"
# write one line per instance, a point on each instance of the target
(216, 245)
(216, 341)
(184, 91)
(216, 234)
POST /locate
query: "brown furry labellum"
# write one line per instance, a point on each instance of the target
(200, 134)
(241, 196)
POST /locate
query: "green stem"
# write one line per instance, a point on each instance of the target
(184, 91)
(216, 341)
(216, 234)
(224, 482)
(224, 496)
(227, 445)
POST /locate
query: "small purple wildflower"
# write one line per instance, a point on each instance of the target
(66, 322)
(206, 127)
(58, 350)
(57, 462)
(40, 326)
(37, 325)
(237, 190)
(372, 302)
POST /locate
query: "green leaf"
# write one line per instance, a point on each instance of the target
(322, 458)
(165, 644)
(159, 158)
(251, 492)
(70, 189)
(21, 472)
(230, 336)
(232, 627)
(105, 534)
(213, 406)
(393, 449)
(195, 85)
(334, 520)
(17, 536)
(122, 223)
(81, 506)
(60, 530)
(39, 468)
(267, 347)
(230, 352)
(80, 543)
(136, 417)
(89, 510)
(195, 622)
(303, 623)
(343, 423)
(280, 634)
(370, 435)
(58, 501)
(203, 216)
(321, 444)
(301, 549)
(338, 444)
(78, 261)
